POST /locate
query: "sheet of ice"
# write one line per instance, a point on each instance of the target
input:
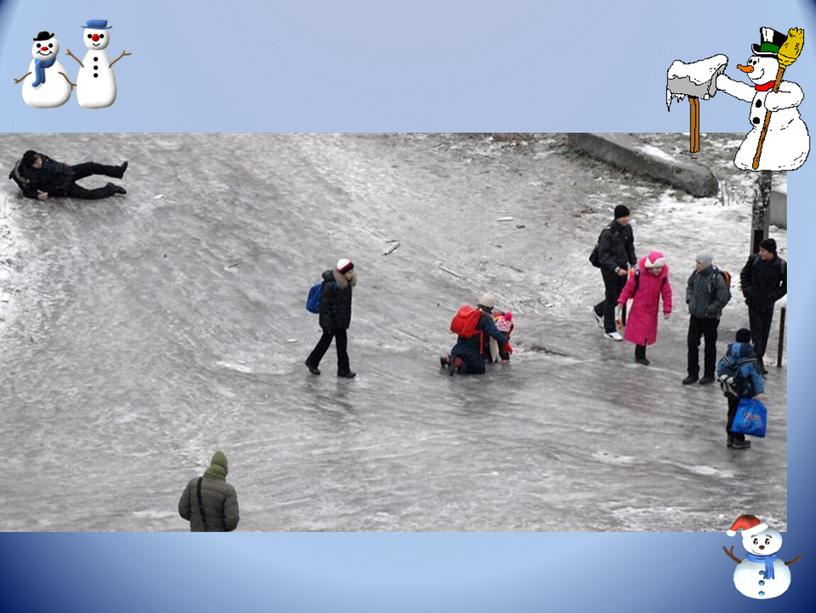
(135, 353)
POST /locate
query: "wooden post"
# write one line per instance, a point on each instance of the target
(694, 130)
(781, 336)
(761, 213)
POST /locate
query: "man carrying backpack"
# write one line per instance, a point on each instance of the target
(764, 280)
(707, 293)
(613, 254)
(335, 317)
(474, 328)
(739, 378)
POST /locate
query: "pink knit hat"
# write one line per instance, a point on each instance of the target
(655, 260)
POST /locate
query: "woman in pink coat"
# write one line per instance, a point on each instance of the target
(648, 283)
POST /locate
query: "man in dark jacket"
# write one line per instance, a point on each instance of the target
(707, 294)
(764, 280)
(469, 355)
(335, 317)
(209, 503)
(39, 177)
(616, 252)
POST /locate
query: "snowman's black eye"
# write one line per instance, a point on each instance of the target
(89, 36)
(50, 45)
(101, 36)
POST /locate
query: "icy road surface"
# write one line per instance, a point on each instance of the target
(139, 334)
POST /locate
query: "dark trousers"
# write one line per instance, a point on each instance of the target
(706, 329)
(613, 284)
(86, 170)
(640, 352)
(340, 342)
(760, 322)
(732, 411)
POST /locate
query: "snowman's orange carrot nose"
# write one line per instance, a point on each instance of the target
(745, 69)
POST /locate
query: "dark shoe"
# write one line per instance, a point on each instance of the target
(444, 361)
(739, 444)
(689, 380)
(643, 361)
(122, 168)
(707, 380)
(347, 374)
(763, 371)
(312, 369)
(730, 442)
(118, 189)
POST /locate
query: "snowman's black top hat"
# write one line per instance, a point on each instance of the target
(769, 42)
(44, 35)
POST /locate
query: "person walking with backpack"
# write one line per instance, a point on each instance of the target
(707, 293)
(335, 317)
(764, 280)
(474, 328)
(647, 284)
(739, 378)
(613, 254)
(208, 502)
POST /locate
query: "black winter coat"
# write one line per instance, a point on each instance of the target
(763, 283)
(335, 301)
(52, 177)
(616, 247)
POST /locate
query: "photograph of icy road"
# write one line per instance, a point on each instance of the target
(140, 333)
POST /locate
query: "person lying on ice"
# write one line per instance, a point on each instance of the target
(39, 177)
(473, 327)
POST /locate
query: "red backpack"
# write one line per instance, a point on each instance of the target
(465, 321)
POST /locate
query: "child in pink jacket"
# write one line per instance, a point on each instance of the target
(649, 282)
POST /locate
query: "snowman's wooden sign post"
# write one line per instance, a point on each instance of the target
(788, 54)
(695, 80)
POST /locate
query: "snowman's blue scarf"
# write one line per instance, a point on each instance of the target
(769, 561)
(39, 70)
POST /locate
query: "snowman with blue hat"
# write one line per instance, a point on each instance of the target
(778, 139)
(96, 84)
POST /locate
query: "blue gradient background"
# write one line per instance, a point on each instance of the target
(449, 66)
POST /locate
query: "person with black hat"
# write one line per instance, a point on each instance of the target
(615, 253)
(335, 317)
(739, 377)
(39, 177)
(764, 280)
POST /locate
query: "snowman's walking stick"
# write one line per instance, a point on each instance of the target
(788, 53)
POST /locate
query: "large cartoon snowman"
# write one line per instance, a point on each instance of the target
(96, 83)
(45, 85)
(762, 574)
(787, 143)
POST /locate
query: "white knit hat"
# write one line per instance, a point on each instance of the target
(344, 265)
(487, 300)
(658, 262)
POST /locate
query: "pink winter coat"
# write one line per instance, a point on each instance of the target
(641, 322)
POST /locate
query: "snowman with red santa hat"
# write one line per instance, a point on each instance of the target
(762, 574)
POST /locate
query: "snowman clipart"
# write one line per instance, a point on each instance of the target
(45, 85)
(778, 139)
(96, 83)
(762, 574)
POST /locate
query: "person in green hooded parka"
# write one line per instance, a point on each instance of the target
(209, 503)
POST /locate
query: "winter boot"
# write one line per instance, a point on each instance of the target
(707, 380)
(689, 380)
(739, 444)
(346, 374)
(312, 369)
(643, 361)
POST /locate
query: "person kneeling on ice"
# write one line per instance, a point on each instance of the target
(473, 327)
(646, 284)
(739, 378)
(39, 177)
(335, 317)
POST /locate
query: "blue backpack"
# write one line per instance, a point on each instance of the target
(313, 300)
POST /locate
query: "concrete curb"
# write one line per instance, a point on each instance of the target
(629, 153)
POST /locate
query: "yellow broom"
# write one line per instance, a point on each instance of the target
(788, 53)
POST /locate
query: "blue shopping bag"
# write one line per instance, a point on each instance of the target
(751, 417)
